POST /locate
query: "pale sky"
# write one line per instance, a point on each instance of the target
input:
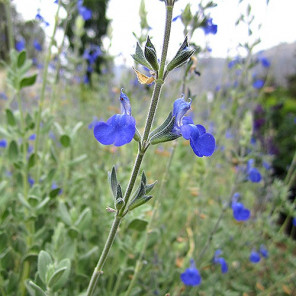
(277, 19)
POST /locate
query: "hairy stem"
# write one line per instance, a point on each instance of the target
(153, 106)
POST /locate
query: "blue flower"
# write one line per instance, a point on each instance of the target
(263, 251)
(191, 276)
(264, 61)
(118, 129)
(240, 213)
(83, 11)
(92, 53)
(266, 165)
(210, 28)
(221, 261)
(294, 221)
(253, 173)
(31, 181)
(254, 257)
(37, 45)
(3, 96)
(85, 79)
(3, 143)
(20, 45)
(32, 137)
(233, 62)
(201, 142)
(38, 16)
(176, 17)
(259, 83)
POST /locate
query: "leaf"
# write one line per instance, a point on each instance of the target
(28, 81)
(83, 216)
(150, 54)
(143, 79)
(13, 151)
(138, 224)
(32, 160)
(78, 159)
(76, 128)
(44, 260)
(65, 263)
(118, 192)
(24, 201)
(64, 214)
(54, 193)
(10, 117)
(113, 182)
(162, 126)
(21, 58)
(38, 291)
(139, 201)
(140, 58)
(65, 140)
(149, 187)
(56, 277)
(42, 203)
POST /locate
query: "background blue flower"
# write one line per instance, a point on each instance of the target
(3, 143)
(191, 276)
(263, 251)
(20, 45)
(259, 83)
(221, 261)
(37, 45)
(240, 213)
(210, 28)
(84, 11)
(254, 257)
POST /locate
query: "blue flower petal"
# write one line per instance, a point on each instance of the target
(186, 130)
(118, 130)
(103, 132)
(201, 129)
(180, 108)
(187, 120)
(203, 145)
(124, 129)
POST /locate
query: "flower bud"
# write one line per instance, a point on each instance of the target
(150, 54)
(181, 57)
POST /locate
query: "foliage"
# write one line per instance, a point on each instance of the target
(208, 226)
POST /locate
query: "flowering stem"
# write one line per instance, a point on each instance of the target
(154, 210)
(141, 152)
(98, 270)
(42, 96)
(159, 81)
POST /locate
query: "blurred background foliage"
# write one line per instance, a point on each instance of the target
(53, 201)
